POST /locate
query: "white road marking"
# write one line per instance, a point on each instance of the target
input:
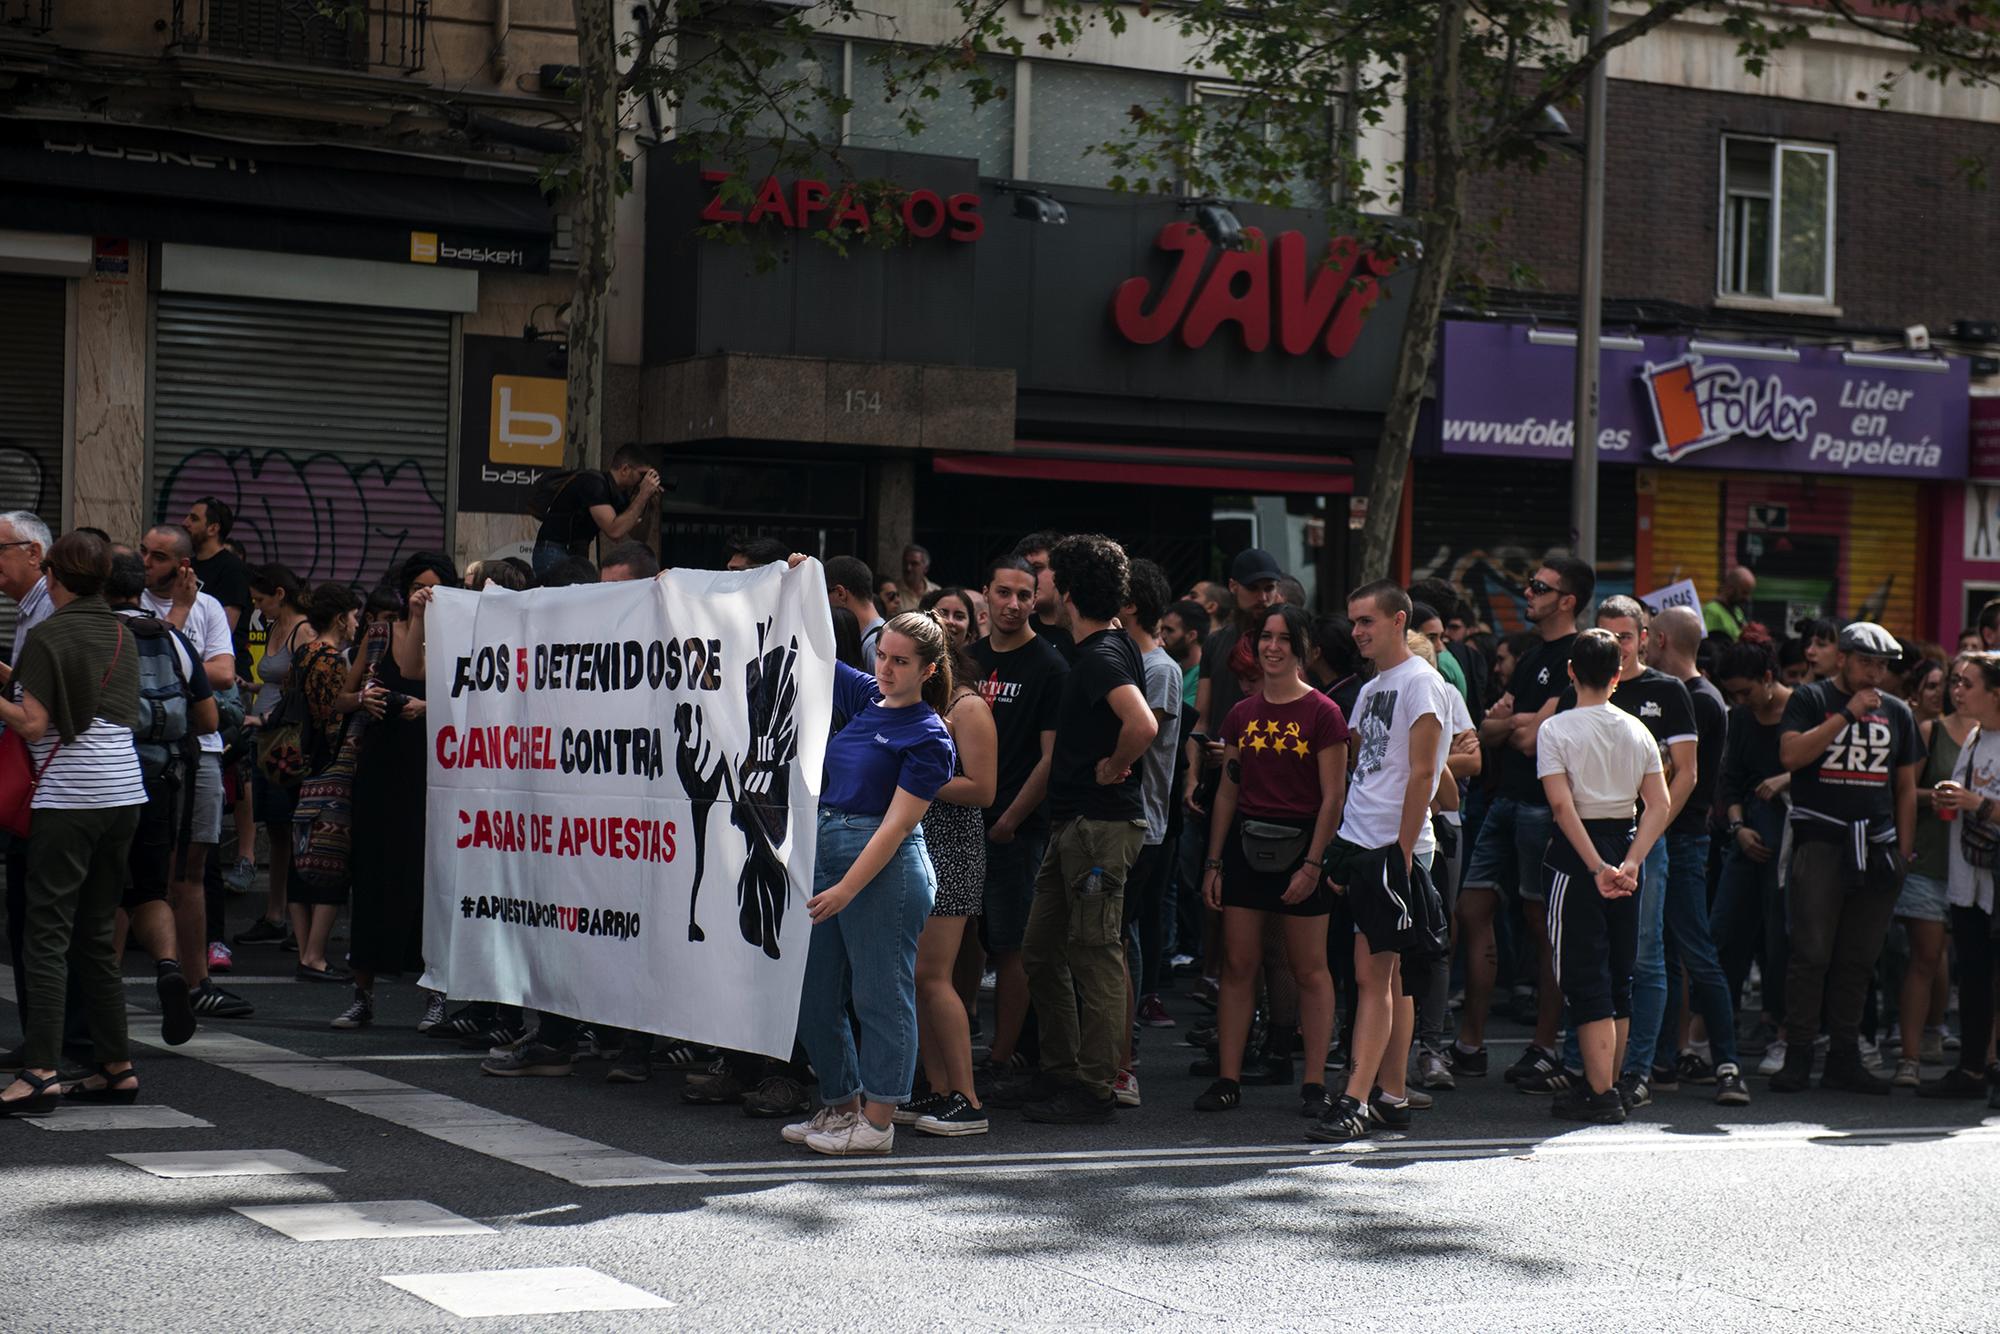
(85, 1116)
(364, 1220)
(579, 1161)
(557, 1291)
(227, 1163)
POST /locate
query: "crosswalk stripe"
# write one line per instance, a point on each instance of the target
(553, 1291)
(361, 1220)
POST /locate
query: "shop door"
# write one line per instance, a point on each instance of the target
(33, 382)
(326, 428)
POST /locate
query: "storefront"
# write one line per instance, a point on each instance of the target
(275, 325)
(1814, 467)
(1965, 523)
(989, 375)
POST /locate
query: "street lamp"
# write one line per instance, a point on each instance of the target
(1032, 205)
(1590, 299)
(1218, 222)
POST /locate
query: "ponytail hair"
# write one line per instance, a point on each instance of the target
(933, 650)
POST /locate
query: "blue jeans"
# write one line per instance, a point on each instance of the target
(546, 556)
(1513, 840)
(1649, 966)
(1690, 947)
(865, 955)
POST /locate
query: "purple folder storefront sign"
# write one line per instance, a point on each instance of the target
(1508, 392)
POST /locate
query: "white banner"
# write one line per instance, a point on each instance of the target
(1680, 594)
(624, 797)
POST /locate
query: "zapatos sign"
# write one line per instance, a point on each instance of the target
(807, 205)
(1266, 288)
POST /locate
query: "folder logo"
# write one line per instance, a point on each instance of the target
(1696, 406)
(526, 421)
(423, 247)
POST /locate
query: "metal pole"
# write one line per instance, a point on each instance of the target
(1590, 300)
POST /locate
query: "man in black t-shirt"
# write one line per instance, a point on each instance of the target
(1516, 831)
(1663, 705)
(1021, 680)
(1854, 755)
(591, 502)
(1050, 625)
(1074, 948)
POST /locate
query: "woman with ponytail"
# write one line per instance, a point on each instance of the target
(874, 886)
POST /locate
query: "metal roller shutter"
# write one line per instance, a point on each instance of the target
(1882, 556)
(326, 428)
(1687, 528)
(33, 341)
(1485, 524)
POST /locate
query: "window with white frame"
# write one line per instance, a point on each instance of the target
(1222, 113)
(1777, 220)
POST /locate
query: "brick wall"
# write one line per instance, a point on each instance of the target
(1914, 237)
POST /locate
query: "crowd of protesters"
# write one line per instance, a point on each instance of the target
(1681, 850)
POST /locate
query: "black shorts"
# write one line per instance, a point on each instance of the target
(1593, 940)
(1264, 891)
(1384, 898)
(149, 862)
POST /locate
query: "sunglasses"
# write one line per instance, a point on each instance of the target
(1537, 587)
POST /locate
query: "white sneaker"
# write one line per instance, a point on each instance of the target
(1126, 1089)
(1907, 1075)
(1871, 1056)
(855, 1134)
(826, 1118)
(1774, 1058)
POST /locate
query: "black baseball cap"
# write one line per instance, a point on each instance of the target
(1254, 566)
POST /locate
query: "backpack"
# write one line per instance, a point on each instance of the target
(162, 732)
(549, 489)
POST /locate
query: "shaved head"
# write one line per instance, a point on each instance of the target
(174, 537)
(1681, 629)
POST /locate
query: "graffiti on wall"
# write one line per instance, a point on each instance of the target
(324, 516)
(1493, 581)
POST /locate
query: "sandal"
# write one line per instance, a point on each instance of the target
(121, 1088)
(45, 1099)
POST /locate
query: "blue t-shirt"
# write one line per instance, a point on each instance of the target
(881, 749)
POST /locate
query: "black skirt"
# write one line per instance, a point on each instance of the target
(1264, 890)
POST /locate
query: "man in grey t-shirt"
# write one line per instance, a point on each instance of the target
(1145, 887)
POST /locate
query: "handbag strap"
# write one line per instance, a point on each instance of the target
(35, 779)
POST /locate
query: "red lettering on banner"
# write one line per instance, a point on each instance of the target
(771, 203)
(928, 204)
(967, 223)
(1240, 288)
(1221, 303)
(521, 670)
(713, 211)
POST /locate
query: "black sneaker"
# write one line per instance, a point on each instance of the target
(1597, 1109)
(1635, 1090)
(360, 1011)
(212, 1002)
(465, 1021)
(1693, 1070)
(1072, 1106)
(1345, 1120)
(1268, 1068)
(1558, 1080)
(907, 1114)
(1664, 1079)
(629, 1068)
(1394, 1115)
(1796, 1075)
(953, 1117)
(1206, 1067)
(1201, 1037)
(776, 1095)
(1314, 1101)
(1730, 1090)
(1953, 1083)
(531, 1059)
(681, 1055)
(1223, 1095)
(1021, 1089)
(717, 1090)
(177, 1021)
(1534, 1061)
(265, 932)
(494, 1035)
(1845, 1072)
(1466, 1064)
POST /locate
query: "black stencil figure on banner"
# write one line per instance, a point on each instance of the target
(701, 777)
(761, 789)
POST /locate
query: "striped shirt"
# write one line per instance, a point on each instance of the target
(99, 766)
(98, 769)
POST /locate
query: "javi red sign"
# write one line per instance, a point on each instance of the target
(807, 205)
(1265, 287)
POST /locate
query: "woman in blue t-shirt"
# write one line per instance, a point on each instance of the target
(874, 885)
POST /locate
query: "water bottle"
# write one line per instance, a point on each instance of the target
(1092, 882)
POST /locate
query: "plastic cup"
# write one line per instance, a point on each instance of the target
(1945, 812)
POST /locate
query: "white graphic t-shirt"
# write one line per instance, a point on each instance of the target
(1385, 711)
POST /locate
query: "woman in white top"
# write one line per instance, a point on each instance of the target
(1973, 792)
(78, 684)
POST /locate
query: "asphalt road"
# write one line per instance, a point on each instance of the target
(1816, 1211)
